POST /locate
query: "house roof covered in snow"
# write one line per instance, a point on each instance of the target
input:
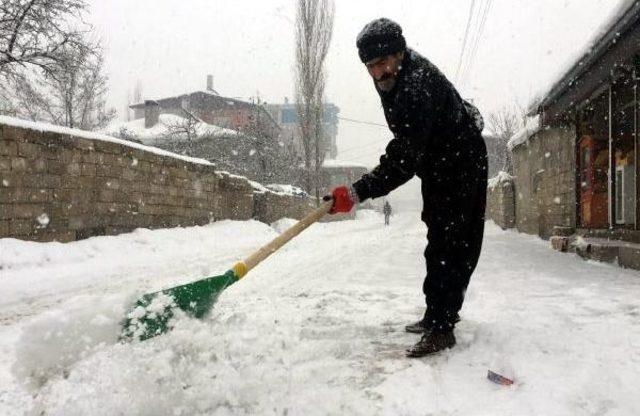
(211, 97)
(621, 20)
(166, 122)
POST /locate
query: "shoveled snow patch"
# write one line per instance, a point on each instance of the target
(53, 341)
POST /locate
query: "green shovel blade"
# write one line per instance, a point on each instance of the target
(151, 315)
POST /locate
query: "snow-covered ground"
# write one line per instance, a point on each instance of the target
(316, 329)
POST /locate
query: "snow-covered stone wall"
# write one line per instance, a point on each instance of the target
(62, 184)
(501, 200)
(271, 206)
(544, 177)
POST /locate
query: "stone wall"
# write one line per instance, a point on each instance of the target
(544, 171)
(270, 206)
(59, 186)
(501, 201)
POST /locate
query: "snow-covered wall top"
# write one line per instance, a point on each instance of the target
(333, 163)
(500, 178)
(531, 127)
(45, 127)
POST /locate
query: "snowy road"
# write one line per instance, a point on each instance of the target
(316, 329)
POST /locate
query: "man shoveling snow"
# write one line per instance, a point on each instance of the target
(437, 136)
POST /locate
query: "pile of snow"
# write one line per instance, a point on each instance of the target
(52, 342)
(136, 129)
(46, 127)
(531, 127)
(499, 179)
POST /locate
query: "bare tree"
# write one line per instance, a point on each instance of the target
(49, 67)
(39, 33)
(73, 96)
(314, 27)
(185, 128)
(505, 123)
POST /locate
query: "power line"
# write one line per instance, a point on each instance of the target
(474, 50)
(466, 34)
(473, 35)
(366, 146)
(478, 39)
(362, 122)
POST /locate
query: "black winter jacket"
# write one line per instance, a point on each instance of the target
(437, 135)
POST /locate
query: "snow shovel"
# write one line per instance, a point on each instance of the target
(151, 314)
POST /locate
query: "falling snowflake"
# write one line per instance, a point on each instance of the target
(134, 162)
(547, 155)
(5, 182)
(252, 152)
(556, 200)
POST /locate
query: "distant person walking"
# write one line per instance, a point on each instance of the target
(387, 212)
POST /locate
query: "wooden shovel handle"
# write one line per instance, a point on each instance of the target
(265, 251)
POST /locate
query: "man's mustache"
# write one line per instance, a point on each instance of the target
(385, 77)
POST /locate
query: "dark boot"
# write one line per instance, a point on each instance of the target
(424, 324)
(432, 342)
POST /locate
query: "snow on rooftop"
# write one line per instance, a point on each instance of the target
(581, 53)
(46, 127)
(531, 127)
(149, 135)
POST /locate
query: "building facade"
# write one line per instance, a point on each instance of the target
(576, 171)
(286, 116)
(212, 108)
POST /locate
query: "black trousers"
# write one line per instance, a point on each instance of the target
(454, 211)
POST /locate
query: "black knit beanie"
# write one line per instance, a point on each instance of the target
(379, 38)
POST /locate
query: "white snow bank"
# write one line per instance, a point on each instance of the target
(499, 179)
(31, 272)
(51, 342)
(38, 126)
(531, 127)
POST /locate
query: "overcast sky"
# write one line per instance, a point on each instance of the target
(248, 46)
